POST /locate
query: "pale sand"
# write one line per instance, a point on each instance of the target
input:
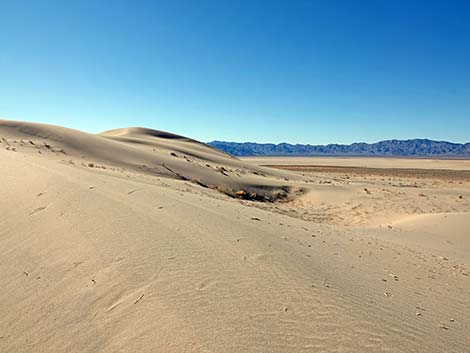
(109, 243)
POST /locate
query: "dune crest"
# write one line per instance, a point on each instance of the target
(145, 132)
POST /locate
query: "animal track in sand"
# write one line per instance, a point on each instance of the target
(39, 209)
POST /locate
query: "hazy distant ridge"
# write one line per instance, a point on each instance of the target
(414, 147)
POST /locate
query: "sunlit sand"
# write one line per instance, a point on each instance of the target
(136, 240)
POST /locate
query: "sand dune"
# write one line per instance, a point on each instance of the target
(151, 152)
(127, 241)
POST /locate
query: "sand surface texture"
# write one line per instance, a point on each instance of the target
(136, 240)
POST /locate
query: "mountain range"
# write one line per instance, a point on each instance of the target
(413, 147)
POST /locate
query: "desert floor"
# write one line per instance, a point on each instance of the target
(135, 240)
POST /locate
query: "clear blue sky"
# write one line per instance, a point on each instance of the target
(266, 71)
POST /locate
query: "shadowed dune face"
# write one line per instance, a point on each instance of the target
(108, 243)
(144, 132)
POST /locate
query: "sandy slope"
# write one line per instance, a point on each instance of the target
(114, 257)
(442, 232)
